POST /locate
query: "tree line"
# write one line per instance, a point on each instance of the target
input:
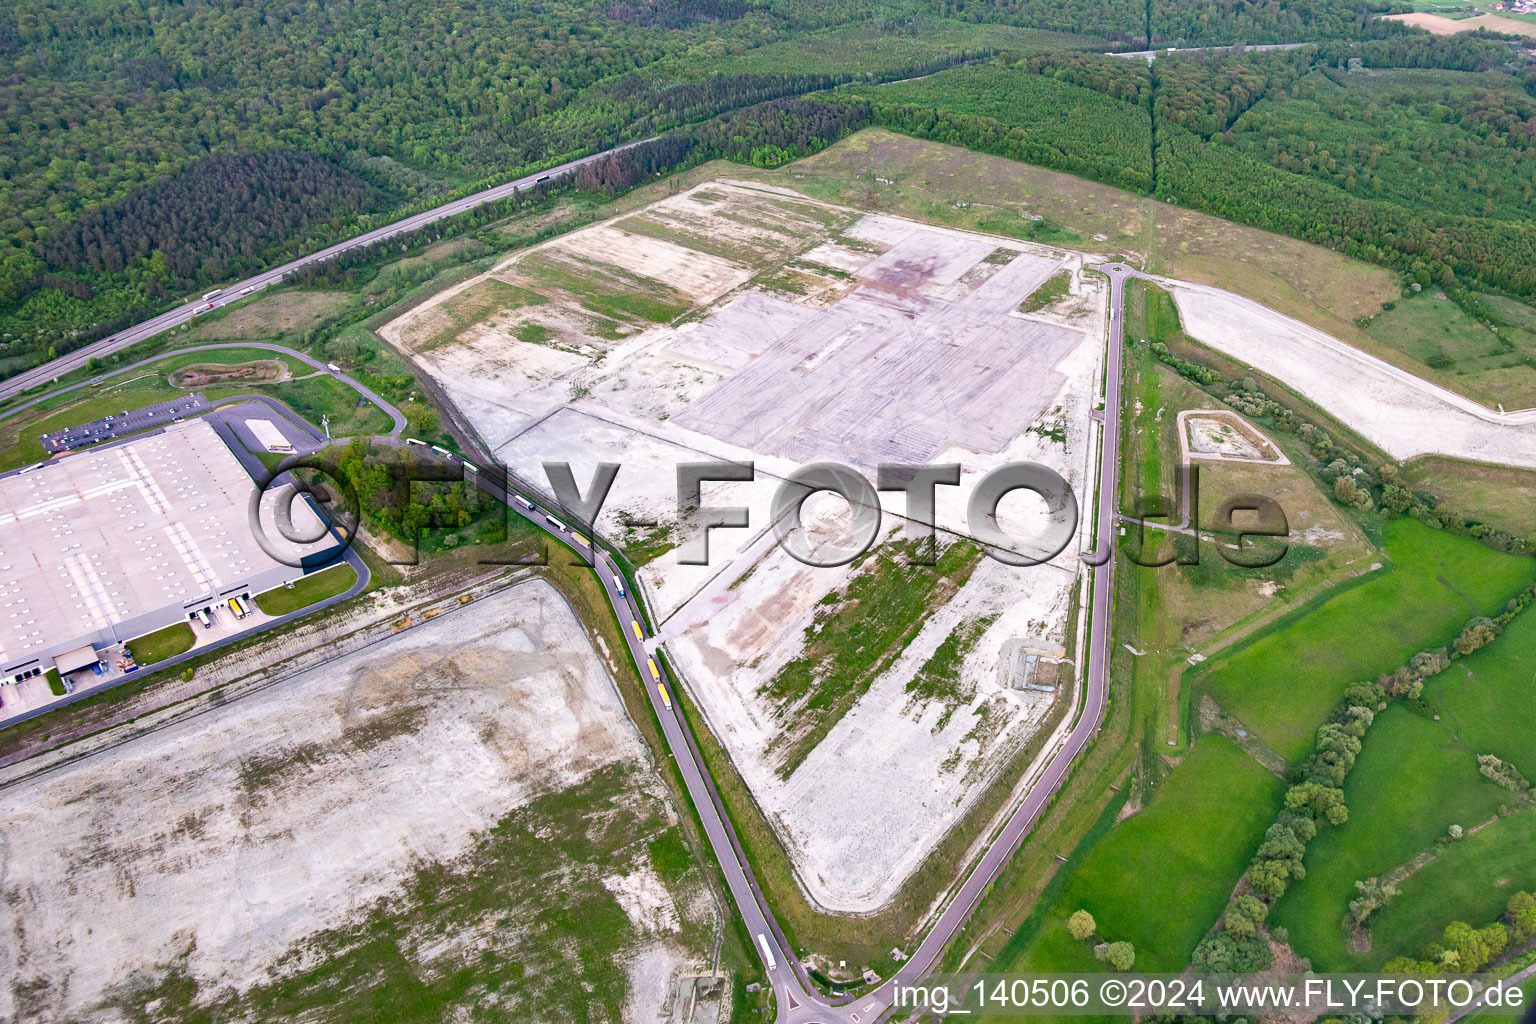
(1192, 22)
(1299, 142)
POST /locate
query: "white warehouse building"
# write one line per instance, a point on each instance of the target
(112, 543)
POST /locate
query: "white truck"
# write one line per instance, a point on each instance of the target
(762, 943)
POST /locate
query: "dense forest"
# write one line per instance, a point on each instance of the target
(1021, 112)
(422, 100)
(1191, 22)
(153, 148)
(1422, 139)
(215, 219)
(1417, 157)
(1431, 245)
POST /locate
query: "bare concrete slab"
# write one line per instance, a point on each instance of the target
(890, 374)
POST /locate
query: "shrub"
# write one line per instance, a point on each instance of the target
(1081, 926)
(1477, 633)
(1503, 773)
(1374, 894)
(1474, 947)
(1222, 954)
(1121, 955)
(1244, 916)
(1522, 917)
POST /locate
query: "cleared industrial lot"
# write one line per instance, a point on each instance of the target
(751, 324)
(429, 802)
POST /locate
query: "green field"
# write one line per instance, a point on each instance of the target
(1416, 776)
(316, 586)
(1471, 881)
(1161, 877)
(125, 391)
(1411, 783)
(1283, 683)
(163, 643)
(1492, 363)
(1489, 698)
(325, 396)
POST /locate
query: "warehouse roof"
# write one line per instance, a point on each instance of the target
(97, 538)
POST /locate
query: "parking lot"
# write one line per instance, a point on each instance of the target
(109, 428)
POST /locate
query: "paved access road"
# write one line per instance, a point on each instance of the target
(181, 314)
(1513, 981)
(1095, 677)
(797, 1001)
(394, 414)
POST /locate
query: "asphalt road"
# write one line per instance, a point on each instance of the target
(394, 414)
(797, 1001)
(231, 292)
(1096, 677)
(1513, 981)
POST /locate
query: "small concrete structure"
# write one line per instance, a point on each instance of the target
(268, 436)
(75, 660)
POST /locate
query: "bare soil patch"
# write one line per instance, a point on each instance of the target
(1221, 434)
(204, 375)
(1442, 26)
(395, 817)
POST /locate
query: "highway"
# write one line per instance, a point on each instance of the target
(183, 313)
(394, 414)
(796, 999)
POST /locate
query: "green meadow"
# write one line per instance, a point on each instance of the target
(1161, 877)
(1284, 681)
(1471, 881)
(1411, 783)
